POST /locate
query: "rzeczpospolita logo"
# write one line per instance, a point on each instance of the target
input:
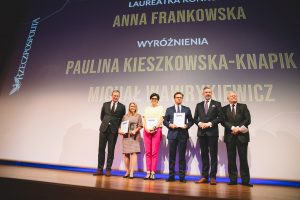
(24, 59)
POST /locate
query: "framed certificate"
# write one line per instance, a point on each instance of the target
(125, 126)
(132, 126)
(179, 119)
(151, 122)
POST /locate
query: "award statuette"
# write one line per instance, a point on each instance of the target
(132, 126)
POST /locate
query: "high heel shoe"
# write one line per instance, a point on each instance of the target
(147, 177)
(126, 176)
(131, 175)
(152, 176)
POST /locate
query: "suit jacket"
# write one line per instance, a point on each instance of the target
(214, 115)
(242, 117)
(169, 118)
(111, 119)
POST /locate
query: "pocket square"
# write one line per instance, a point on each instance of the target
(213, 106)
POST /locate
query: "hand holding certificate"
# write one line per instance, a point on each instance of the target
(124, 126)
(151, 123)
(179, 120)
(244, 129)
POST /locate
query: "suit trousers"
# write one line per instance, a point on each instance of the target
(110, 139)
(232, 147)
(181, 143)
(209, 148)
(152, 144)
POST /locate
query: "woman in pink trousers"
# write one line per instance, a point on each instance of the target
(153, 119)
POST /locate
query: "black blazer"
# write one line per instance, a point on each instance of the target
(112, 119)
(169, 117)
(214, 115)
(242, 117)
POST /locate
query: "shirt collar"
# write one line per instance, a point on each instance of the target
(207, 100)
(112, 102)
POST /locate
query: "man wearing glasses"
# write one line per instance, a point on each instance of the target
(178, 119)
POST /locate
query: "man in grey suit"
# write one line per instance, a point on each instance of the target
(111, 116)
(177, 136)
(208, 114)
(237, 120)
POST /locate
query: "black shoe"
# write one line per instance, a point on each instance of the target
(126, 176)
(232, 183)
(130, 177)
(247, 184)
(170, 179)
(182, 180)
(147, 177)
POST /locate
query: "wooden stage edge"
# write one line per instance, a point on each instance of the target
(18, 182)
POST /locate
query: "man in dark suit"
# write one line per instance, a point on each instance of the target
(237, 120)
(111, 116)
(177, 136)
(208, 114)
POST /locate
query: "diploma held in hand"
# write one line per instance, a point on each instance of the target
(244, 129)
(124, 126)
(151, 122)
(179, 119)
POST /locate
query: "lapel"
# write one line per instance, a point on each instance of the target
(182, 109)
(108, 106)
(202, 108)
(237, 110)
(174, 109)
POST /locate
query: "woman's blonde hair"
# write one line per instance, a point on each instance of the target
(136, 107)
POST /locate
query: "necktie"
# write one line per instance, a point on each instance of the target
(113, 107)
(233, 111)
(178, 109)
(206, 107)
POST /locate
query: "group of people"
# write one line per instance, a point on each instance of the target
(235, 117)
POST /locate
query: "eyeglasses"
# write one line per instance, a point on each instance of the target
(178, 97)
(154, 99)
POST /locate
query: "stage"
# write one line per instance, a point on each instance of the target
(19, 182)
